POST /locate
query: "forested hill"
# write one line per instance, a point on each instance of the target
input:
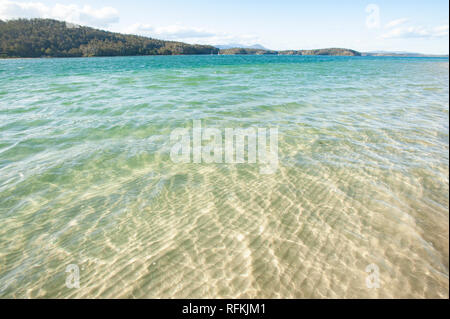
(50, 38)
(36, 38)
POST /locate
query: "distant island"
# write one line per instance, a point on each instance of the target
(37, 38)
(401, 54)
(329, 51)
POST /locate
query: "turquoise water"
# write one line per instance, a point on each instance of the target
(86, 178)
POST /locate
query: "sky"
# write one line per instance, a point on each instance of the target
(384, 25)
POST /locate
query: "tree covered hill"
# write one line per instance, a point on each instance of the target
(51, 38)
(34, 38)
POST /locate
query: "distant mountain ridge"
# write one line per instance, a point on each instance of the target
(235, 45)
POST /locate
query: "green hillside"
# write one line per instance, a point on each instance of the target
(50, 38)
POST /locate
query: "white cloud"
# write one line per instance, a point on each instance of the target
(169, 32)
(85, 15)
(189, 34)
(416, 32)
(395, 23)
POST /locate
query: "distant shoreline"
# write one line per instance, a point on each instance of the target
(166, 55)
(405, 55)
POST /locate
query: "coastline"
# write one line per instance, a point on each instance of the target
(288, 55)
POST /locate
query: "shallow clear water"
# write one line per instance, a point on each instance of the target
(86, 178)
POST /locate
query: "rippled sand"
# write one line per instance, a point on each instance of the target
(86, 178)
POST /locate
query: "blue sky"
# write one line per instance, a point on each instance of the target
(401, 25)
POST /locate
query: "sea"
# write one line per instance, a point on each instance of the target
(93, 204)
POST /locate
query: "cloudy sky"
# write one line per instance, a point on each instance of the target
(401, 25)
